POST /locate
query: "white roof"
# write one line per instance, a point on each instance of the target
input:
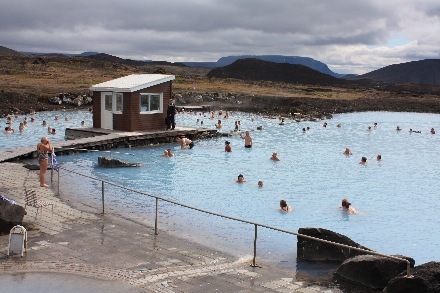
(131, 83)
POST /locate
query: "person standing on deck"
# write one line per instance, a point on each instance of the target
(171, 111)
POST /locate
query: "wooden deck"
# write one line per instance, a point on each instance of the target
(104, 139)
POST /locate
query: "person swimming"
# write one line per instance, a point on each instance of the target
(347, 152)
(240, 179)
(275, 157)
(346, 206)
(284, 207)
(260, 183)
(398, 128)
(228, 147)
(363, 161)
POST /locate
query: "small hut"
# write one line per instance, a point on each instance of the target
(136, 102)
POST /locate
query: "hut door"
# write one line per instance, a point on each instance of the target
(107, 110)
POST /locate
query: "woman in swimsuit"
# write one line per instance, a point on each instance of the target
(42, 148)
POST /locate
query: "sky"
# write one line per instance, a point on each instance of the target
(350, 36)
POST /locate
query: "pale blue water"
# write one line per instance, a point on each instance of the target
(397, 198)
(34, 131)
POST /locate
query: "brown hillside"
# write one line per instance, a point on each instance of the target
(255, 69)
(416, 72)
(8, 52)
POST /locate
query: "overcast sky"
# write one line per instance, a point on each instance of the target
(350, 36)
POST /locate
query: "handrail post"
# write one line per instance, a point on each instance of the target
(255, 248)
(157, 216)
(59, 169)
(103, 211)
(408, 267)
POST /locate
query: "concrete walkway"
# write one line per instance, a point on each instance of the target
(121, 253)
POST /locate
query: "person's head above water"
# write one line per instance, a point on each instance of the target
(240, 178)
(345, 203)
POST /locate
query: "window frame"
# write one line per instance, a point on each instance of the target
(149, 102)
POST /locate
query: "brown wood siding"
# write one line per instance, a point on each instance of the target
(96, 109)
(122, 121)
(132, 120)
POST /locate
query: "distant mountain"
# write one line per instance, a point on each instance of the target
(256, 69)
(416, 72)
(7, 51)
(115, 59)
(306, 61)
(84, 54)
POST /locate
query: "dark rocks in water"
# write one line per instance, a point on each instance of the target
(425, 279)
(116, 163)
(10, 215)
(371, 271)
(313, 250)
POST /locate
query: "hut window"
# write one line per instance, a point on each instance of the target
(119, 102)
(108, 102)
(151, 103)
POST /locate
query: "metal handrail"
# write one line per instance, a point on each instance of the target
(408, 264)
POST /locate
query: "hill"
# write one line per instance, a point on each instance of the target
(8, 52)
(306, 61)
(415, 72)
(255, 69)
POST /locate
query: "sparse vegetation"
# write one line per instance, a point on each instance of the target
(43, 77)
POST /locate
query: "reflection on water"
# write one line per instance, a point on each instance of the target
(397, 198)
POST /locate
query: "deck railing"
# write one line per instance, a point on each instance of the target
(256, 225)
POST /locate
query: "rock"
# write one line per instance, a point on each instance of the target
(67, 100)
(426, 279)
(55, 100)
(115, 163)
(78, 101)
(87, 100)
(10, 215)
(370, 270)
(318, 251)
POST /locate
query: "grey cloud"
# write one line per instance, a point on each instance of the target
(335, 32)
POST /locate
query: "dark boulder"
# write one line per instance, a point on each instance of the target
(55, 100)
(115, 163)
(371, 271)
(10, 215)
(425, 279)
(312, 250)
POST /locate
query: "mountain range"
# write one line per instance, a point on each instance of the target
(257, 70)
(426, 72)
(306, 61)
(416, 72)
